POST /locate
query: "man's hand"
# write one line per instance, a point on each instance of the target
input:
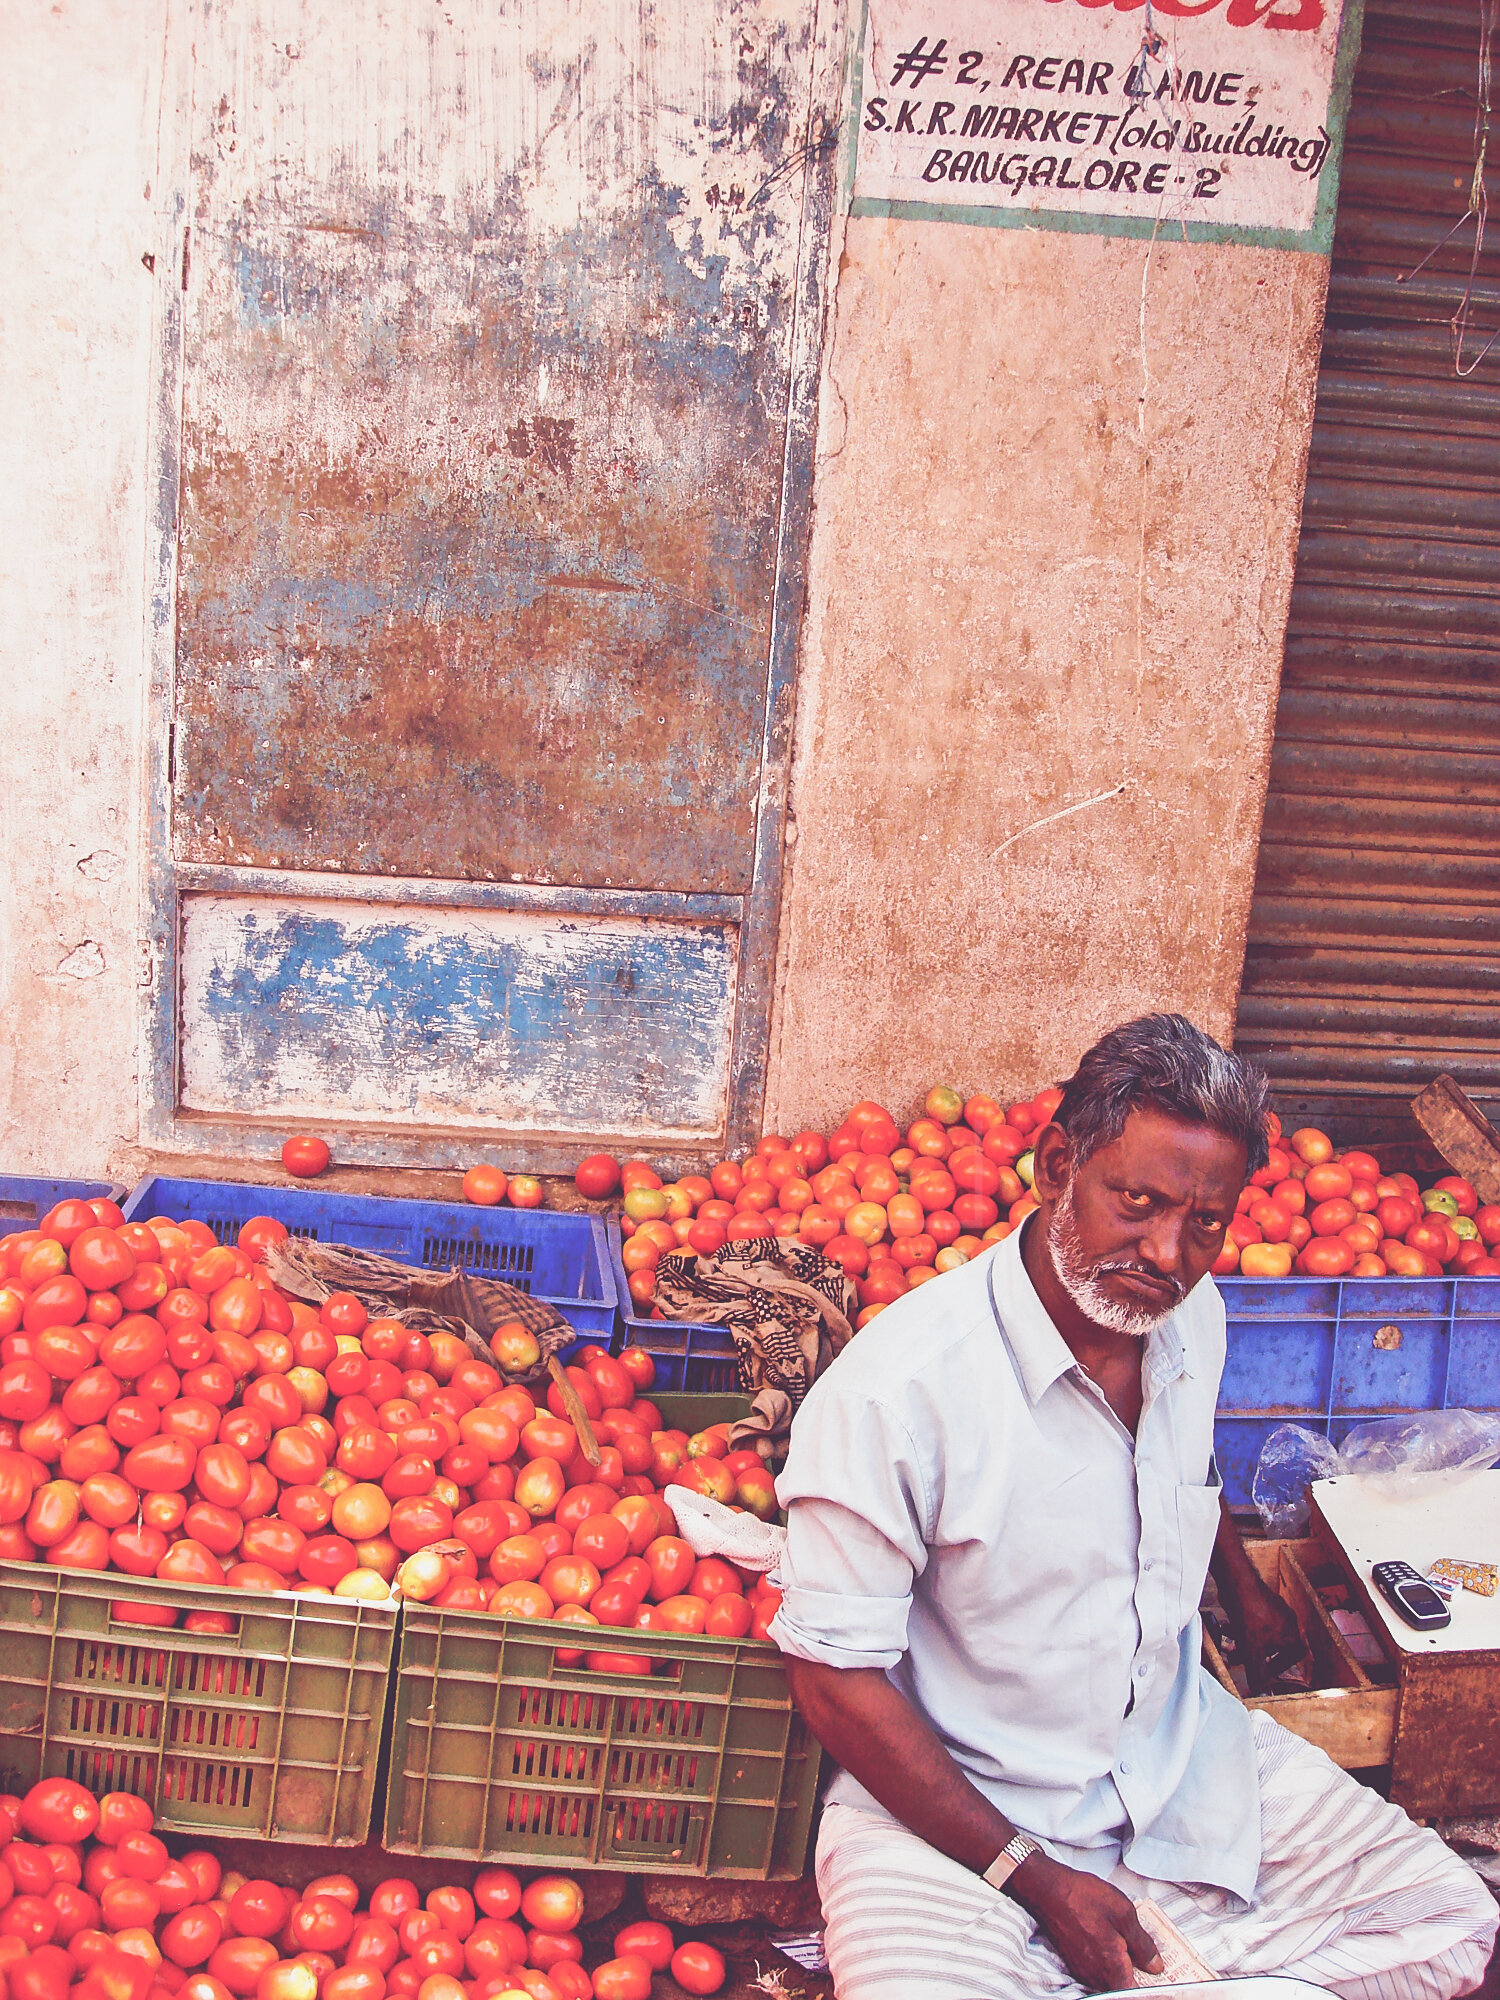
(1273, 1638)
(1262, 1622)
(1094, 1927)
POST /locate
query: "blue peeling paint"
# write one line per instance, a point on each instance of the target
(628, 1024)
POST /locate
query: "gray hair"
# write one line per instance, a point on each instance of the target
(1162, 1060)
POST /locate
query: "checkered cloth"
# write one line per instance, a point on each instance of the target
(790, 1308)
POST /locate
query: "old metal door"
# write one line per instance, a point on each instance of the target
(485, 447)
(1374, 941)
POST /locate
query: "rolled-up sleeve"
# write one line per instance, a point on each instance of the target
(858, 1517)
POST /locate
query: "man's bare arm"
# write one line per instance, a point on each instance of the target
(878, 1737)
(1268, 1626)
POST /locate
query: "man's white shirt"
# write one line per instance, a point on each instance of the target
(967, 1513)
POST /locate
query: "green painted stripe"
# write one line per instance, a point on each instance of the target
(1166, 229)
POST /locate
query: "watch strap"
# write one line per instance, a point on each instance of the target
(1016, 1850)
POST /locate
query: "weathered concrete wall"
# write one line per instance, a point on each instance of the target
(1016, 610)
(1053, 546)
(78, 110)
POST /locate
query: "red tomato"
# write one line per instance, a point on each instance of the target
(729, 1617)
(56, 1809)
(145, 1288)
(66, 1222)
(205, 1871)
(498, 1893)
(258, 1233)
(259, 1909)
(622, 1979)
(698, 1968)
(418, 1522)
(304, 1157)
(137, 1344)
(100, 1259)
(160, 1464)
(548, 1903)
(90, 1398)
(141, 1856)
(218, 1528)
(494, 1946)
(597, 1177)
(484, 1184)
(34, 1922)
(107, 1499)
(319, 1923)
(239, 1962)
(59, 1301)
(137, 1550)
(650, 1941)
(326, 1558)
(87, 1452)
(274, 1544)
(341, 1312)
(85, 1546)
(191, 1938)
(546, 1949)
(190, 1563)
(273, 1398)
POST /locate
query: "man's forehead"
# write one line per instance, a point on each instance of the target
(1175, 1152)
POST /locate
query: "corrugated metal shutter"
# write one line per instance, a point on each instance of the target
(1374, 944)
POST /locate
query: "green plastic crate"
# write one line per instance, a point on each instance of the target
(499, 1753)
(272, 1732)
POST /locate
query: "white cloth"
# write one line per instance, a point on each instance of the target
(1351, 1896)
(968, 1513)
(711, 1529)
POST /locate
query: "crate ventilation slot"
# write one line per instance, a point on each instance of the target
(512, 1261)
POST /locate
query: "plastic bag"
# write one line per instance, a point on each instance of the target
(1402, 1457)
(1406, 1456)
(1291, 1458)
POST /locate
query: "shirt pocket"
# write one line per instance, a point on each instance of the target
(1197, 1527)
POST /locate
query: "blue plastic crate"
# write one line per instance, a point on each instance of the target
(1329, 1353)
(24, 1200)
(690, 1355)
(560, 1258)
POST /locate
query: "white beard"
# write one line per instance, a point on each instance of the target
(1080, 1279)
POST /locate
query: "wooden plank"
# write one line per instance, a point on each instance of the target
(1355, 1726)
(1462, 1134)
(336, 1011)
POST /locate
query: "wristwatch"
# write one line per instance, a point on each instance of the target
(1016, 1850)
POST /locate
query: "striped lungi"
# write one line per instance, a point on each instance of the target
(1351, 1896)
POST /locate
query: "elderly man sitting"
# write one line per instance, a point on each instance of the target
(1002, 1507)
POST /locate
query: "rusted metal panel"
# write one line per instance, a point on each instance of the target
(486, 511)
(342, 1012)
(1374, 944)
(1443, 1761)
(480, 505)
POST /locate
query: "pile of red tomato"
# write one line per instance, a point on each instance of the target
(166, 1411)
(898, 1209)
(895, 1209)
(93, 1907)
(1327, 1214)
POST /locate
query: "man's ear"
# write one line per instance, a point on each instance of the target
(1052, 1162)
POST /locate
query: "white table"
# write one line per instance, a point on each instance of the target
(1460, 1520)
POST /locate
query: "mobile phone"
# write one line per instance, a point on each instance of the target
(1410, 1596)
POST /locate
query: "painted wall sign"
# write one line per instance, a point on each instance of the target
(1220, 117)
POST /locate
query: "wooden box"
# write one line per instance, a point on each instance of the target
(1349, 1713)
